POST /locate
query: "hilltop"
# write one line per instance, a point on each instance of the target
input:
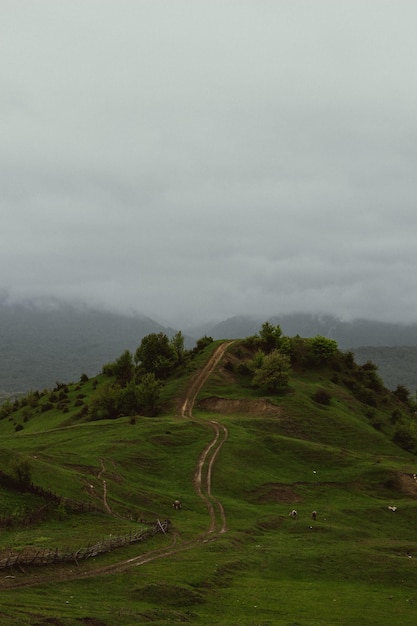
(43, 341)
(240, 447)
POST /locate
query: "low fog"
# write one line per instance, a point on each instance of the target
(197, 160)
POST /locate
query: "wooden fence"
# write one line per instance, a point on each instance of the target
(46, 556)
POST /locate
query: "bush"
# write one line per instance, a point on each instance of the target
(22, 471)
(202, 343)
(46, 407)
(229, 366)
(367, 396)
(405, 436)
(321, 396)
(243, 369)
(273, 373)
(107, 369)
(322, 348)
(402, 393)
(396, 416)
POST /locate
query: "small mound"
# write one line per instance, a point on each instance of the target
(243, 407)
(403, 483)
(171, 595)
(275, 492)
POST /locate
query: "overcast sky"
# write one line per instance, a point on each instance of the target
(198, 159)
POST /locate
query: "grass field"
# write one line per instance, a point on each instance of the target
(353, 566)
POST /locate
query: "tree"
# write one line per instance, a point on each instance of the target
(127, 401)
(156, 355)
(405, 436)
(148, 394)
(202, 343)
(274, 373)
(257, 361)
(177, 343)
(402, 393)
(270, 336)
(368, 374)
(123, 368)
(104, 404)
(322, 348)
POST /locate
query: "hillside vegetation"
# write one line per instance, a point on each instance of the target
(44, 340)
(241, 433)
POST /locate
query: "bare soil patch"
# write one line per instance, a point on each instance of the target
(228, 406)
(404, 483)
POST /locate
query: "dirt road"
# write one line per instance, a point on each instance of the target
(202, 484)
(203, 472)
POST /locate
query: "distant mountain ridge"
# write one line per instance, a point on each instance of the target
(392, 347)
(349, 335)
(42, 342)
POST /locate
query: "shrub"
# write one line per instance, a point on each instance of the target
(107, 369)
(84, 410)
(46, 407)
(229, 366)
(367, 396)
(405, 436)
(22, 471)
(273, 373)
(402, 393)
(270, 337)
(322, 348)
(202, 343)
(321, 396)
(243, 369)
(396, 416)
(378, 424)
(349, 359)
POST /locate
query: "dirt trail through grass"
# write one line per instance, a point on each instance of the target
(203, 473)
(202, 485)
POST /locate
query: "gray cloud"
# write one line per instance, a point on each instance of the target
(196, 160)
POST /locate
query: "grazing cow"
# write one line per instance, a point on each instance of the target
(177, 505)
(293, 514)
(314, 515)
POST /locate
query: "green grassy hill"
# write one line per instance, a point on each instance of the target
(325, 442)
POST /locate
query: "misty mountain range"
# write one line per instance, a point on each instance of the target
(45, 342)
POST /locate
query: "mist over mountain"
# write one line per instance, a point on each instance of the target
(348, 334)
(43, 341)
(392, 347)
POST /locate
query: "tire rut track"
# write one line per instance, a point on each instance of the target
(202, 484)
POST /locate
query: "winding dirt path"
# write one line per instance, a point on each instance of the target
(202, 484)
(204, 469)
